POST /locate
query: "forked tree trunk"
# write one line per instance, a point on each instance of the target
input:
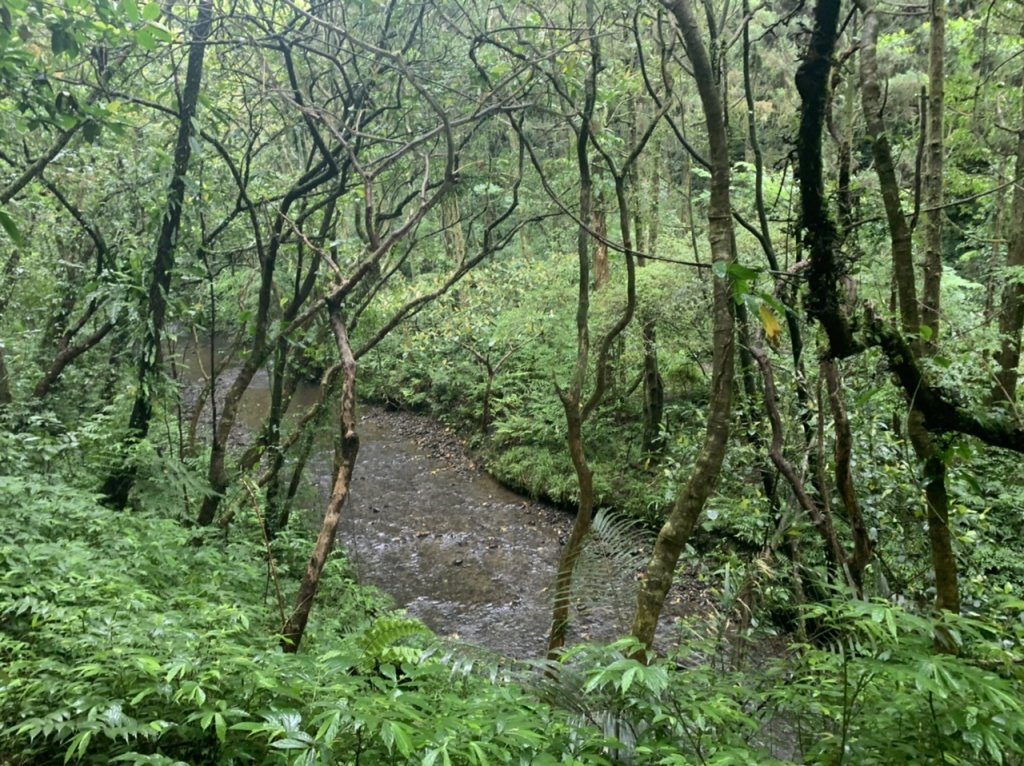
(689, 503)
(577, 407)
(345, 452)
(572, 399)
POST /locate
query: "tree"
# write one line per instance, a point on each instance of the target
(117, 486)
(690, 500)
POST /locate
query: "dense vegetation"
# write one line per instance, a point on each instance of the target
(748, 276)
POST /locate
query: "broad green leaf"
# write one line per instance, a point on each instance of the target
(11, 228)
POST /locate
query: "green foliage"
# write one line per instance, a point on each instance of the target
(124, 642)
(878, 693)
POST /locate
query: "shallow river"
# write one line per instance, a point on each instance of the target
(447, 542)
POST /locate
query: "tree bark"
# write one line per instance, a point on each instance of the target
(5, 381)
(345, 452)
(572, 399)
(862, 543)
(602, 269)
(1011, 315)
(932, 195)
(947, 590)
(654, 390)
(66, 356)
(899, 231)
(689, 503)
(820, 515)
(913, 318)
(117, 486)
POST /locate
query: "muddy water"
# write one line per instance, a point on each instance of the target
(471, 559)
(468, 557)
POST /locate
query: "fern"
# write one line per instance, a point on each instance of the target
(380, 642)
(615, 551)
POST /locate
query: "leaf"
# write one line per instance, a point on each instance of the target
(129, 9)
(627, 679)
(478, 754)
(770, 323)
(62, 41)
(144, 38)
(11, 228)
(91, 130)
(740, 272)
(160, 32)
(290, 744)
(151, 12)
(221, 727)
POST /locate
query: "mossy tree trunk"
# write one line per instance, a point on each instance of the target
(345, 452)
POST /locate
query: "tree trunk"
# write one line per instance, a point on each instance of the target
(580, 528)
(1011, 315)
(5, 382)
(914, 319)
(345, 452)
(654, 211)
(947, 590)
(654, 390)
(454, 236)
(899, 231)
(947, 594)
(932, 195)
(690, 501)
(862, 543)
(117, 486)
(602, 270)
(572, 400)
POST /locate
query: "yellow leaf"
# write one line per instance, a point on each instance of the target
(772, 328)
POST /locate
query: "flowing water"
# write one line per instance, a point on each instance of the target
(471, 559)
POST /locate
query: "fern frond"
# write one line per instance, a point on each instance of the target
(614, 553)
(380, 640)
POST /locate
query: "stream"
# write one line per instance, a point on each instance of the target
(449, 544)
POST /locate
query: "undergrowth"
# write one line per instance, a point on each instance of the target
(123, 641)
